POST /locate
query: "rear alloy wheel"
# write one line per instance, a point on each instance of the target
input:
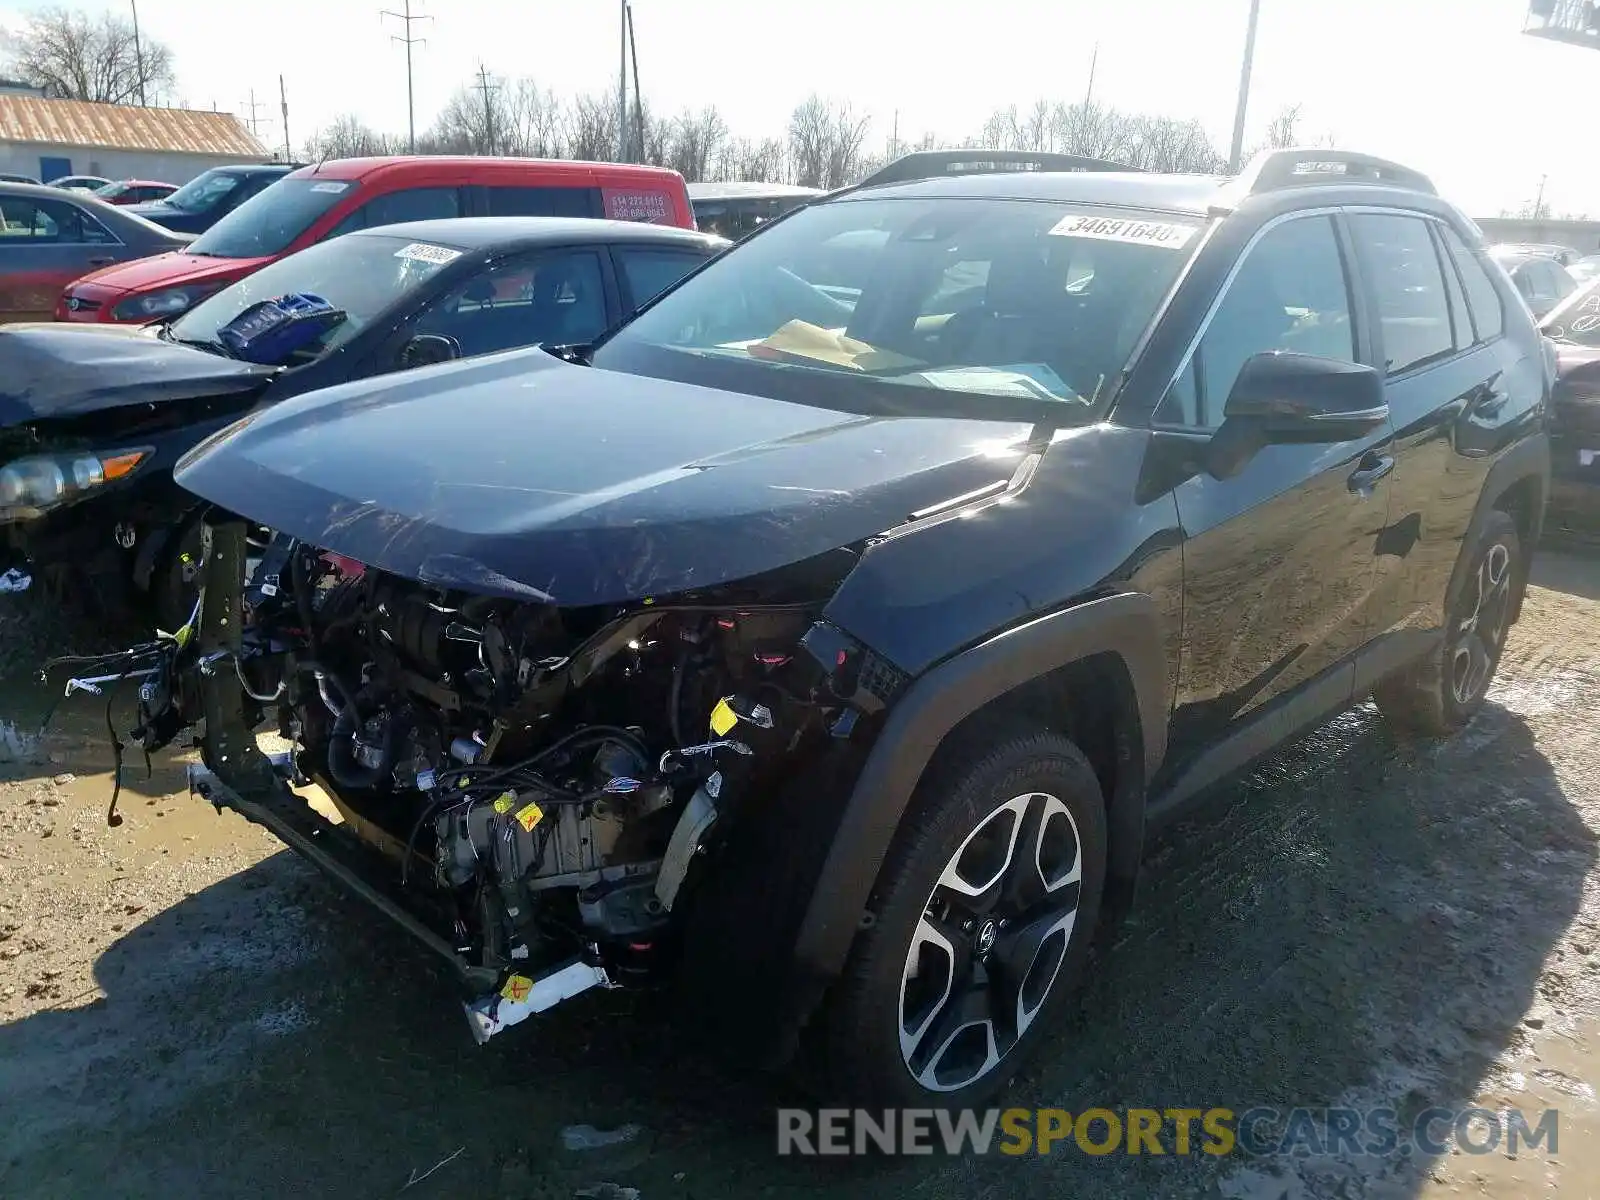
(984, 911)
(1440, 694)
(1479, 626)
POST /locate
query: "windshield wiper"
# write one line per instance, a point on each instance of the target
(210, 346)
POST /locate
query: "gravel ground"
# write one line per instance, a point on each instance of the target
(186, 1010)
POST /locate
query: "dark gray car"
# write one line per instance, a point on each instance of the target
(49, 237)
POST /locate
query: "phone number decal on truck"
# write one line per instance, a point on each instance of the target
(624, 205)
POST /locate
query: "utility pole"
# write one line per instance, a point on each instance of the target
(622, 89)
(138, 50)
(1538, 203)
(488, 109)
(283, 100)
(1094, 60)
(255, 125)
(638, 92)
(408, 41)
(894, 137)
(1244, 89)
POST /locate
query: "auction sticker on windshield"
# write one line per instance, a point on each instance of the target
(1168, 234)
(423, 252)
(329, 185)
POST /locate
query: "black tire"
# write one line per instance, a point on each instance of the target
(1439, 694)
(959, 824)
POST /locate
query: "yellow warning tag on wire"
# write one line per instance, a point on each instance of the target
(517, 988)
(723, 718)
(530, 816)
(504, 801)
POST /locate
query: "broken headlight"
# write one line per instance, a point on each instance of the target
(30, 486)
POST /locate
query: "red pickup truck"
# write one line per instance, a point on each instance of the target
(323, 201)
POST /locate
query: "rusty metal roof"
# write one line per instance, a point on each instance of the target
(126, 127)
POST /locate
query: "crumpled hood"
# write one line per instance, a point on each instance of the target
(520, 475)
(63, 370)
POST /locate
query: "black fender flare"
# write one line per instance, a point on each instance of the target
(1127, 625)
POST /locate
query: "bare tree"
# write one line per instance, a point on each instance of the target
(592, 128)
(696, 143)
(533, 121)
(348, 137)
(1093, 130)
(1003, 130)
(746, 160)
(826, 143)
(1167, 144)
(1283, 129)
(74, 56)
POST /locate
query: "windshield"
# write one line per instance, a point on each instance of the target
(270, 220)
(360, 274)
(202, 193)
(112, 189)
(1577, 318)
(921, 302)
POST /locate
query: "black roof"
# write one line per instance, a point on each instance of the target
(517, 233)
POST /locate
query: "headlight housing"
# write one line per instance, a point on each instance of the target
(168, 302)
(30, 486)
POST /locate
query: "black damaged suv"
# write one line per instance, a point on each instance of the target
(828, 638)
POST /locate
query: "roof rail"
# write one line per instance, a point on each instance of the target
(1273, 170)
(931, 164)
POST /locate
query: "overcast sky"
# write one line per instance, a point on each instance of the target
(1449, 86)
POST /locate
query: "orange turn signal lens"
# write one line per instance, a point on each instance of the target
(118, 465)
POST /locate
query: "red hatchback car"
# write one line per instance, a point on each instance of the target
(320, 202)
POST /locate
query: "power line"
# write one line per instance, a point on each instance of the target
(408, 41)
(488, 109)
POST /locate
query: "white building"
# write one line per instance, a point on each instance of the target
(51, 138)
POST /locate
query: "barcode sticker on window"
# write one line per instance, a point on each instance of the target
(423, 252)
(1168, 234)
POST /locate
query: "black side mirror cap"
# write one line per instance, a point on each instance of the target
(426, 349)
(1284, 398)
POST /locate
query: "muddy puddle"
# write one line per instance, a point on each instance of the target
(186, 1010)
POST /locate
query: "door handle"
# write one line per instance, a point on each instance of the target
(1373, 468)
(100, 262)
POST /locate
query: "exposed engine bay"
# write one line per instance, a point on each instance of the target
(526, 787)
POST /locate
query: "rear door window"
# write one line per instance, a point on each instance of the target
(648, 272)
(48, 223)
(543, 201)
(1413, 309)
(551, 299)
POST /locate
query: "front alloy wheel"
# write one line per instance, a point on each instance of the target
(990, 942)
(980, 922)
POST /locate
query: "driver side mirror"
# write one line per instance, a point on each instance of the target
(1283, 398)
(426, 349)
